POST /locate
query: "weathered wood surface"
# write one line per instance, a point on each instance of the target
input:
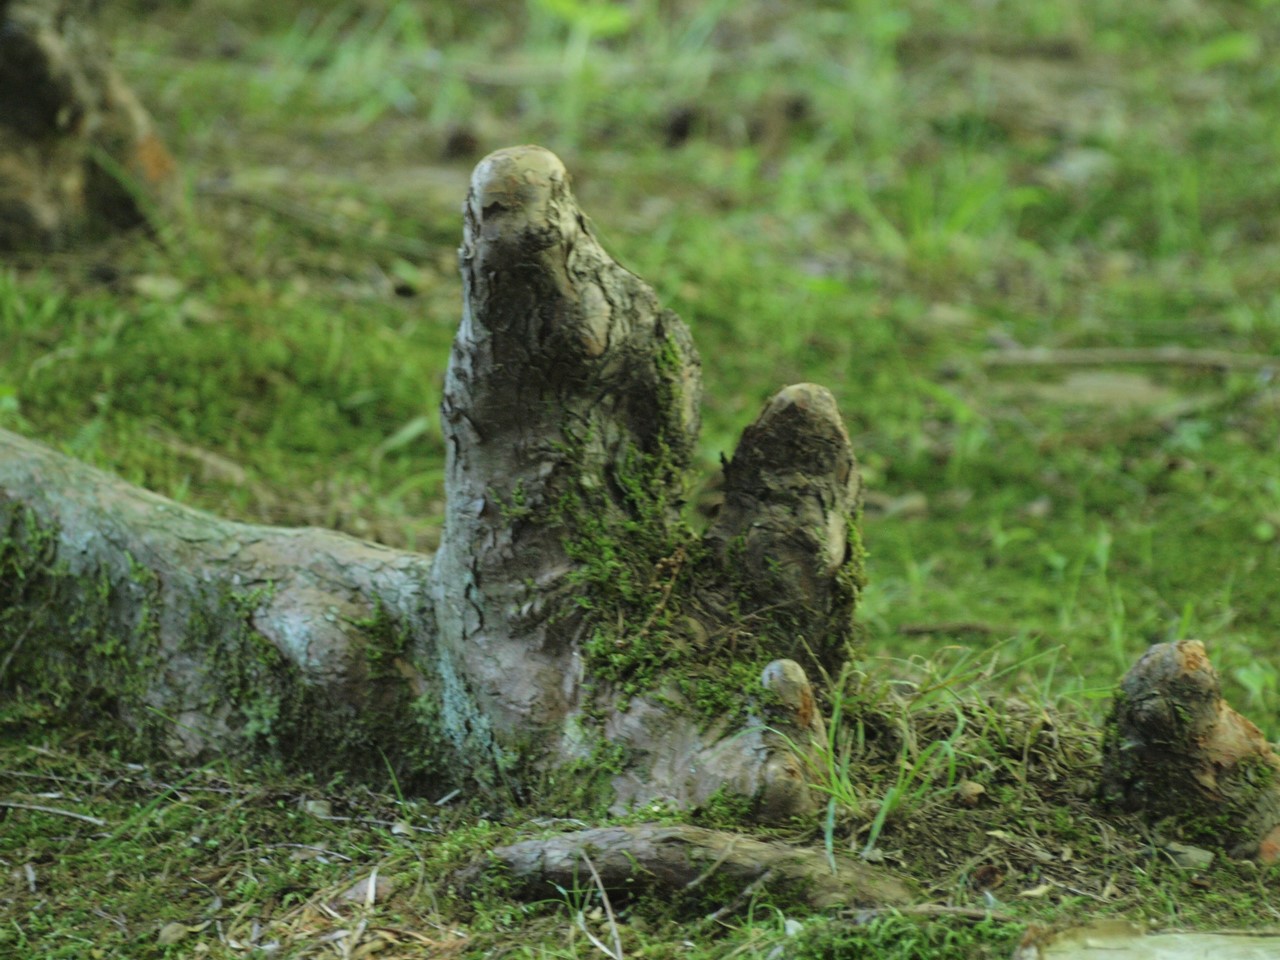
(569, 387)
(198, 605)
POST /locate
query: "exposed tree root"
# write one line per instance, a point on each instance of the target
(570, 617)
(677, 859)
(1177, 752)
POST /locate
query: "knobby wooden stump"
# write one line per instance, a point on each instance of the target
(78, 152)
(1177, 752)
(570, 417)
(571, 625)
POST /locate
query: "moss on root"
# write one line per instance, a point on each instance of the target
(106, 662)
(658, 611)
(81, 666)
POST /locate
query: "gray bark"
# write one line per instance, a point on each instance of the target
(570, 414)
(569, 617)
(554, 384)
(206, 636)
(788, 525)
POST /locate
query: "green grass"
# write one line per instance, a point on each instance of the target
(873, 196)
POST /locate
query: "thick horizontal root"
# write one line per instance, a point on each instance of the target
(677, 859)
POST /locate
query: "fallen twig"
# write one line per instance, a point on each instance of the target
(54, 810)
(976, 914)
(947, 626)
(747, 892)
(13, 651)
(715, 865)
(327, 226)
(616, 951)
(54, 778)
(1150, 356)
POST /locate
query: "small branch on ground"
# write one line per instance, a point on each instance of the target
(976, 914)
(1108, 356)
(53, 810)
(947, 626)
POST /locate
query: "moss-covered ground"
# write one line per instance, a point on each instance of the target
(890, 199)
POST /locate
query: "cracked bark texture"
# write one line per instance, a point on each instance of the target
(1176, 751)
(787, 531)
(568, 385)
(564, 374)
(78, 151)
